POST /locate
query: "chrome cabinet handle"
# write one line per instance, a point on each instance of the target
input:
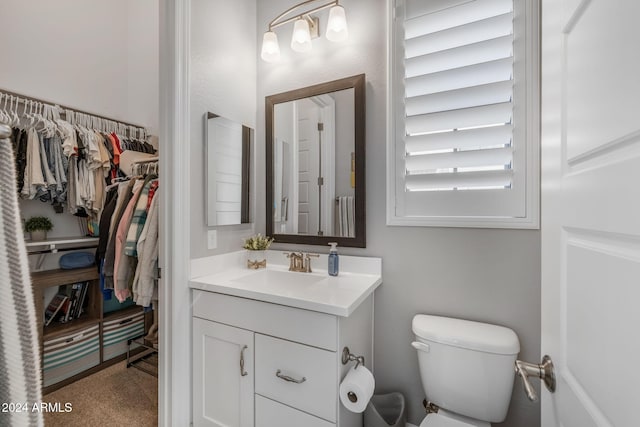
(289, 379)
(242, 371)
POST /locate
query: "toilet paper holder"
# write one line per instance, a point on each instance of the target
(347, 357)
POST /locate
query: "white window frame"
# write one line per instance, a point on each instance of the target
(530, 115)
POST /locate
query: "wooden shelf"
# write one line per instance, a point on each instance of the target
(45, 279)
(122, 313)
(56, 329)
(42, 280)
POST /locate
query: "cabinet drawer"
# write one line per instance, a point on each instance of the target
(118, 331)
(317, 394)
(274, 414)
(307, 327)
(70, 354)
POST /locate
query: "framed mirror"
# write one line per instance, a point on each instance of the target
(228, 145)
(315, 185)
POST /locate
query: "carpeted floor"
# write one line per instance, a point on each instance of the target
(115, 396)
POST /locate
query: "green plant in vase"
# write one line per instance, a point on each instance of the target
(256, 247)
(37, 227)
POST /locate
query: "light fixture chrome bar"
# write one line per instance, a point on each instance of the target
(275, 24)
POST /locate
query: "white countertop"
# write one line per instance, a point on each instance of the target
(317, 291)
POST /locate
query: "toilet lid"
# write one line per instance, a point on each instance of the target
(442, 420)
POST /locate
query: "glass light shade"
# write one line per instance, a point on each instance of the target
(301, 38)
(270, 47)
(337, 26)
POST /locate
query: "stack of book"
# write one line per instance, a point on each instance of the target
(68, 304)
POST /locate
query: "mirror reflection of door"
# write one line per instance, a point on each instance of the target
(313, 154)
(316, 142)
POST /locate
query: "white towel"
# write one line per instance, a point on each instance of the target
(343, 216)
(351, 219)
(20, 375)
(346, 217)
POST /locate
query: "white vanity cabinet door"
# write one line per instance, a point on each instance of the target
(274, 414)
(222, 390)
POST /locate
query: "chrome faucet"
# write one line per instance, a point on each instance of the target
(300, 262)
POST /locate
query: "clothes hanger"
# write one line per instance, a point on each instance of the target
(52, 127)
(8, 117)
(14, 110)
(32, 117)
(25, 111)
(3, 114)
(39, 118)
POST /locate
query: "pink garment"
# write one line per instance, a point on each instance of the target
(121, 289)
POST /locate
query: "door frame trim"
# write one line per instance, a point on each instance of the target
(174, 380)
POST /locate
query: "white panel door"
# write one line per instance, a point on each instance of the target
(222, 395)
(591, 211)
(308, 172)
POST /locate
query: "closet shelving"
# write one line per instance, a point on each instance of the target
(98, 337)
(104, 353)
(60, 244)
(49, 278)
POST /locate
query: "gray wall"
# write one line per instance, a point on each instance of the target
(101, 56)
(479, 274)
(223, 81)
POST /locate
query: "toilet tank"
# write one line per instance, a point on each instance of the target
(466, 367)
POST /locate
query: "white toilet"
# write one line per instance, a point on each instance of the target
(467, 370)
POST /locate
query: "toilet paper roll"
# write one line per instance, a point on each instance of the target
(357, 388)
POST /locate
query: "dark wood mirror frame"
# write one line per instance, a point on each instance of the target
(357, 83)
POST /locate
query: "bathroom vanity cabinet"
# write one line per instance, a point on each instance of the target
(262, 364)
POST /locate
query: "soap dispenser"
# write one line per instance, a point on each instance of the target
(333, 267)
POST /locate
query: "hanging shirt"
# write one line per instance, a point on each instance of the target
(125, 193)
(144, 280)
(69, 140)
(50, 182)
(137, 220)
(122, 262)
(33, 178)
(19, 138)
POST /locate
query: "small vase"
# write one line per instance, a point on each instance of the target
(38, 235)
(256, 259)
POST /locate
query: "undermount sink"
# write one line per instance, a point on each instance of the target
(279, 278)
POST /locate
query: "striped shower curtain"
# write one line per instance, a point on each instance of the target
(20, 376)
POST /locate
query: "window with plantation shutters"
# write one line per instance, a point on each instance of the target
(463, 141)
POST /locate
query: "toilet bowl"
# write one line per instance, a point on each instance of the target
(466, 368)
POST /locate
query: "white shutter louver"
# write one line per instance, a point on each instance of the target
(458, 81)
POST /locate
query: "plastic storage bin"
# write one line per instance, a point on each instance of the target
(386, 410)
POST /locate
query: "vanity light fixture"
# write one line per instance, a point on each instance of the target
(305, 28)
